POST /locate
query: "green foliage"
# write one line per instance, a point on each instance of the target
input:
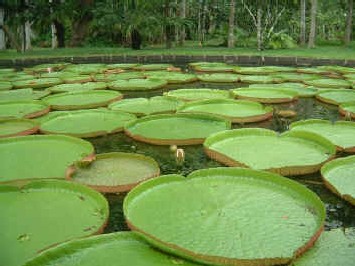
(281, 40)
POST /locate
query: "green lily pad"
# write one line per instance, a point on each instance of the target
(137, 84)
(115, 172)
(78, 87)
(195, 94)
(46, 68)
(23, 109)
(338, 176)
(265, 95)
(291, 153)
(336, 97)
(82, 99)
(333, 248)
(144, 106)
(7, 71)
(175, 129)
(41, 213)
(73, 79)
(85, 123)
(120, 76)
(149, 67)
(41, 156)
(312, 70)
(237, 111)
(22, 76)
(17, 127)
(340, 133)
(117, 249)
(5, 85)
(329, 83)
(259, 79)
(16, 95)
(300, 89)
(36, 83)
(172, 77)
(86, 69)
(219, 77)
(296, 77)
(347, 109)
(124, 66)
(227, 216)
(213, 67)
(263, 70)
(340, 69)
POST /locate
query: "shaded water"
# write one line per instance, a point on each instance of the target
(339, 212)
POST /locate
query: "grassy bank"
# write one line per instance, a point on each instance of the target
(331, 52)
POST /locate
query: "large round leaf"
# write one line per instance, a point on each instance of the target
(194, 94)
(337, 96)
(36, 83)
(296, 77)
(219, 77)
(23, 109)
(82, 99)
(178, 129)
(227, 216)
(38, 214)
(78, 87)
(340, 133)
(291, 153)
(347, 109)
(258, 79)
(137, 84)
(237, 111)
(338, 176)
(117, 249)
(300, 89)
(5, 85)
(263, 70)
(150, 67)
(16, 95)
(329, 83)
(120, 76)
(115, 172)
(17, 127)
(333, 248)
(172, 77)
(40, 156)
(265, 95)
(144, 106)
(212, 67)
(85, 123)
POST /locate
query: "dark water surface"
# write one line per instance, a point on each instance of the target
(339, 212)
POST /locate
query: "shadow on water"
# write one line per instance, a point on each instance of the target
(339, 212)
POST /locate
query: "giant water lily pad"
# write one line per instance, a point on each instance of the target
(5, 85)
(38, 214)
(137, 84)
(227, 216)
(36, 83)
(219, 77)
(82, 99)
(300, 89)
(78, 87)
(263, 70)
(338, 176)
(41, 156)
(178, 129)
(340, 133)
(23, 109)
(336, 97)
(329, 83)
(85, 123)
(333, 248)
(237, 111)
(194, 94)
(260, 79)
(172, 77)
(17, 127)
(296, 77)
(212, 67)
(17, 95)
(115, 172)
(117, 249)
(347, 109)
(144, 106)
(150, 67)
(74, 79)
(86, 69)
(120, 76)
(265, 95)
(291, 153)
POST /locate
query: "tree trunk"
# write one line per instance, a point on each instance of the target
(303, 23)
(2, 33)
(312, 32)
(231, 24)
(60, 33)
(258, 28)
(182, 36)
(14, 42)
(349, 22)
(28, 33)
(80, 26)
(54, 36)
(169, 29)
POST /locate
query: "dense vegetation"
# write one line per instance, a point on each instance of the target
(261, 24)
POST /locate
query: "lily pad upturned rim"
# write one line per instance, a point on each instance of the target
(32, 128)
(45, 110)
(247, 119)
(331, 165)
(322, 95)
(115, 97)
(288, 96)
(350, 149)
(286, 170)
(118, 188)
(71, 248)
(83, 112)
(128, 85)
(321, 83)
(36, 186)
(244, 173)
(219, 77)
(343, 109)
(156, 141)
(34, 84)
(177, 93)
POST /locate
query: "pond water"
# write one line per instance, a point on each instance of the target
(339, 212)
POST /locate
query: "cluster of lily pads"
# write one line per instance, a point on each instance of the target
(216, 216)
